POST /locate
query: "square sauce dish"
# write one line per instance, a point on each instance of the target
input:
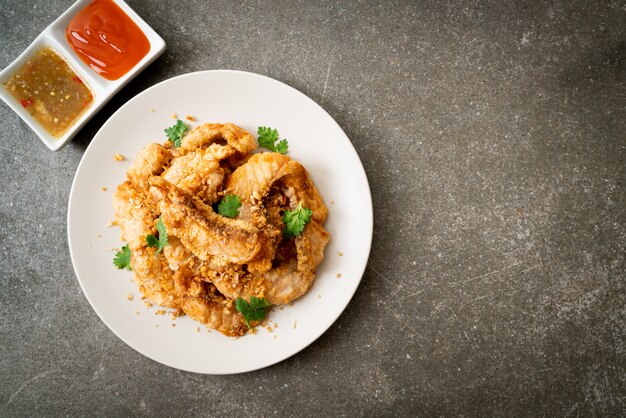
(76, 65)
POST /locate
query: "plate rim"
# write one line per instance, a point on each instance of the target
(369, 220)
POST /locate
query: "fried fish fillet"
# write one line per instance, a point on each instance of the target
(202, 302)
(157, 281)
(132, 214)
(299, 189)
(136, 220)
(269, 184)
(205, 233)
(223, 134)
(254, 180)
(150, 161)
(286, 282)
(200, 169)
(198, 173)
(257, 175)
(178, 256)
(210, 260)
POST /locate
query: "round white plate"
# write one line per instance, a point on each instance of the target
(249, 100)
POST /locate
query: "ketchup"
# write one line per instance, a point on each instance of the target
(106, 39)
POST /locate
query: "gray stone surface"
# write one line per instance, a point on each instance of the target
(494, 137)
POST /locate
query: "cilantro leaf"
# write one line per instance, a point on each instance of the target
(229, 206)
(159, 242)
(268, 138)
(175, 133)
(296, 220)
(253, 311)
(152, 241)
(122, 258)
(282, 146)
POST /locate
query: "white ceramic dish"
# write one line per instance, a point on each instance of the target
(249, 100)
(54, 37)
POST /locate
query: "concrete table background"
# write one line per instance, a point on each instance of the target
(494, 138)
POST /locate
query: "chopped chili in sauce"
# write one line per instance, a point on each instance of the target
(106, 39)
(47, 87)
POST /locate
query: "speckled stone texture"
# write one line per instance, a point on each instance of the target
(494, 138)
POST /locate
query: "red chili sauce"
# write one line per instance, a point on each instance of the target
(106, 39)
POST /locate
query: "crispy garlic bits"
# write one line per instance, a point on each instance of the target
(211, 260)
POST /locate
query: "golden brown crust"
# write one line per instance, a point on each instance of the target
(222, 134)
(210, 260)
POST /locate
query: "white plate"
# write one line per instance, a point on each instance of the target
(102, 89)
(249, 100)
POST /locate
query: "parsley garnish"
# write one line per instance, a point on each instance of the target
(295, 220)
(175, 133)
(160, 242)
(268, 138)
(253, 311)
(122, 258)
(282, 146)
(229, 206)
